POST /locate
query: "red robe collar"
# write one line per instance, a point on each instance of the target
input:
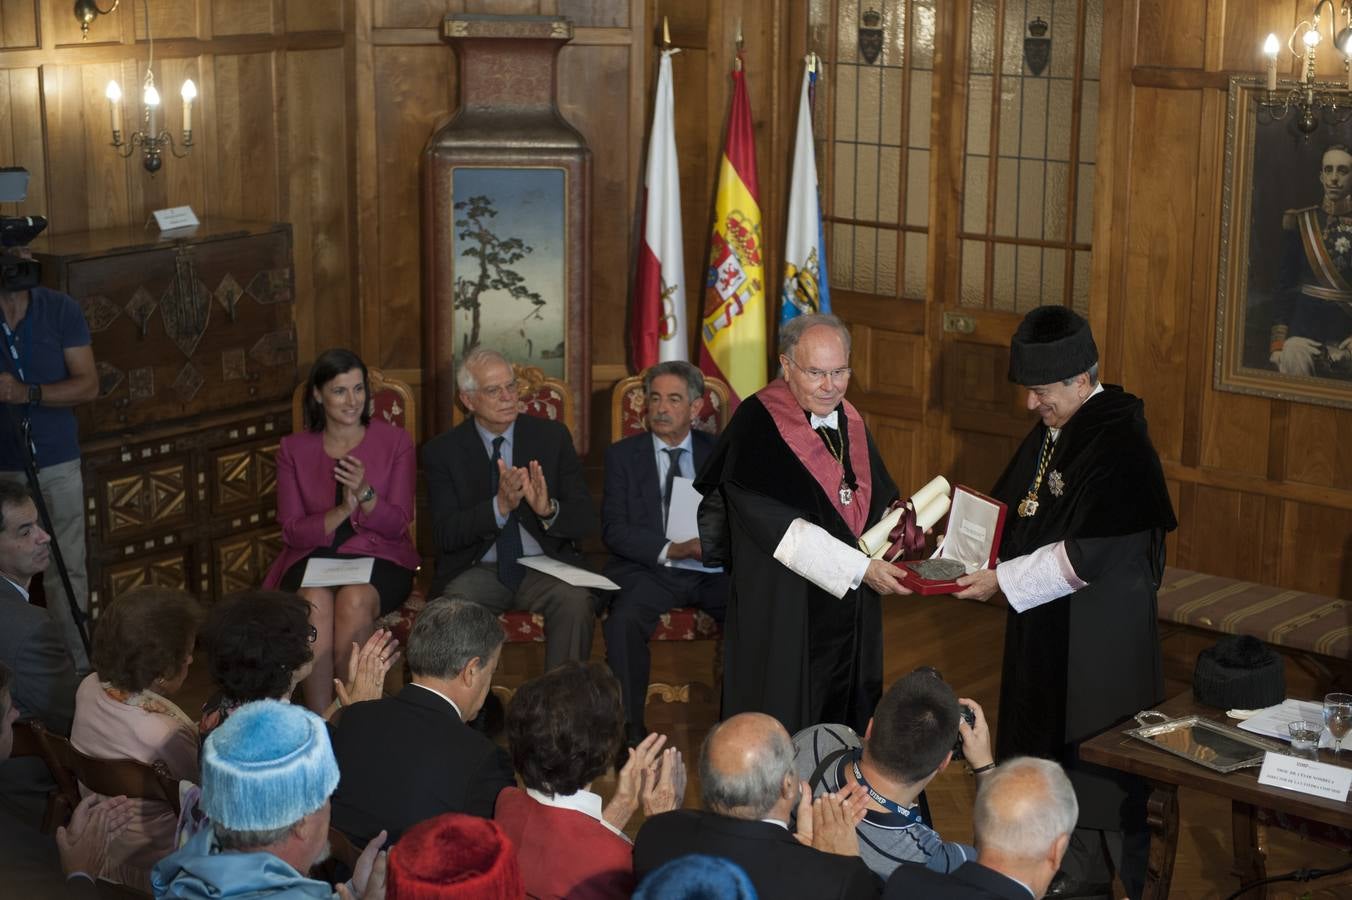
(807, 445)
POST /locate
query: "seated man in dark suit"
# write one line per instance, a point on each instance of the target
(654, 574)
(32, 646)
(749, 788)
(503, 486)
(413, 756)
(1025, 812)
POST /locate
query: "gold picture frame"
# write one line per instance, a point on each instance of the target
(1273, 220)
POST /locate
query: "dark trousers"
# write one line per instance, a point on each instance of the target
(645, 593)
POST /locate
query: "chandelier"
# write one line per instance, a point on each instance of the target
(1311, 101)
(150, 139)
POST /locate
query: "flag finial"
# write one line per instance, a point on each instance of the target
(741, 45)
(666, 34)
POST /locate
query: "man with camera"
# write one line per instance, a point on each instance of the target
(47, 368)
(910, 739)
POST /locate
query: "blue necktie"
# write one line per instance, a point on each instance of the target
(508, 544)
(673, 469)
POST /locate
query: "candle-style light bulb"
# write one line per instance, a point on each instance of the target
(114, 95)
(189, 93)
(152, 96)
(1270, 49)
(1311, 38)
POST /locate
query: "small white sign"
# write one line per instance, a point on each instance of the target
(1307, 776)
(175, 217)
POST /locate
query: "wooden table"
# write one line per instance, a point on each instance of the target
(1167, 773)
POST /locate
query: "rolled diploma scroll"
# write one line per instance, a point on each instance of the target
(930, 503)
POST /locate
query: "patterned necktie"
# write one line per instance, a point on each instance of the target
(508, 544)
(673, 469)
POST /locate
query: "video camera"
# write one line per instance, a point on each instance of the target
(18, 272)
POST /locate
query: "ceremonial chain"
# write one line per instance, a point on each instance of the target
(1028, 505)
(846, 491)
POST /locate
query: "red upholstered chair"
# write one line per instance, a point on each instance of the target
(628, 417)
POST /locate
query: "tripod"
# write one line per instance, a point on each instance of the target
(24, 429)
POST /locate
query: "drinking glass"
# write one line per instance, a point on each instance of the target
(1338, 718)
(1305, 736)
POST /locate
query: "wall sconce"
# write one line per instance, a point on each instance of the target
(149, 138)
(1312, 102)
(87, 11)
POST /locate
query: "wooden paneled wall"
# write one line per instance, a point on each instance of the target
(271, 125)
(406, 85)
(1263, 488)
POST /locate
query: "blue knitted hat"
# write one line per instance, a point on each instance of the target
(267, 766)
(697, 877)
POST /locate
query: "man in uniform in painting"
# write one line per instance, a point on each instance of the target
(1312, 324)
(1081, 559)
(794, 480)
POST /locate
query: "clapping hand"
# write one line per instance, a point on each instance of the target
(83, 844)
(350, 472)
(511, 488)
(368, 875)
(664, 783)
(828, 822)
(366, 668)
(536, 490)
(629, 784)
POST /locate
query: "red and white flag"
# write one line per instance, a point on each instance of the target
(658, 327)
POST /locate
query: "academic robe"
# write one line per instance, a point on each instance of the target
(791, 649)
(1091, 658)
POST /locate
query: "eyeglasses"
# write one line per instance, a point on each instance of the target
(836, 375)
(498, 391)
(313, 635)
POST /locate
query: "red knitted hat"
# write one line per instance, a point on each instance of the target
(454, 857)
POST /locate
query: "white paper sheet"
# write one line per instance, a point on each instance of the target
(683, 514)
(337, 572)
(569, 574)
(1272, 721)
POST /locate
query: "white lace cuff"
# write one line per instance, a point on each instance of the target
(1038, 577)
(810, 551)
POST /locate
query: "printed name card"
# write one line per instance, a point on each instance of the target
(1307, 776)
(175, 217)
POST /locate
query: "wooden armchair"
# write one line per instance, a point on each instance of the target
(110, 777)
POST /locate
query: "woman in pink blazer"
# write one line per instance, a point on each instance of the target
(344, 490)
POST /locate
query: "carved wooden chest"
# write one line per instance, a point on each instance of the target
(196, 350)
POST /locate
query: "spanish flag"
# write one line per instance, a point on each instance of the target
(732, 333)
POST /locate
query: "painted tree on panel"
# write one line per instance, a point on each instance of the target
(496, 255)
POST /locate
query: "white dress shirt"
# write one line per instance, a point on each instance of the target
(529, 545)
(432, 690)
(685, 469)
(583, 801)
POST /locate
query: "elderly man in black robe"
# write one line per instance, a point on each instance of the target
(794, 481)
(1080, 563)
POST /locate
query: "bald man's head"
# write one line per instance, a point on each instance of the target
(1023, 807)
(744, 765)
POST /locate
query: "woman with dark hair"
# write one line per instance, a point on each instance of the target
(344, 491)
(564, 730)
(142, 649)
(258, 646)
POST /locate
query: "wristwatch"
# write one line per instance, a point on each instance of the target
(35, 394)
(367, 495)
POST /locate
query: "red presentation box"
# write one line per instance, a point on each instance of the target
(971, 536)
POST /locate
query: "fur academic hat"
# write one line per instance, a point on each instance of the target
(1239, 672)
(454, 857)
(697, 875)
(266, 767)
(1051, 344)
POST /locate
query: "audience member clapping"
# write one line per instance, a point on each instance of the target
(142, 649)
(697, 877)
(908, 742)
(259, 646)
(267, 774)
(565, 729)
(413, 756)
(750, 789)
(454, 857)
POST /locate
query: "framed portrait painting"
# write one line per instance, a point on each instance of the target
(1284, 304)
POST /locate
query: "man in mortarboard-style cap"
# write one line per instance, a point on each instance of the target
(1080, 562)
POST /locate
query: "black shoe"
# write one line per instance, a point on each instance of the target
(1064, 888)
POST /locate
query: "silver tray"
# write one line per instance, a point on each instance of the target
(1219, 747)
